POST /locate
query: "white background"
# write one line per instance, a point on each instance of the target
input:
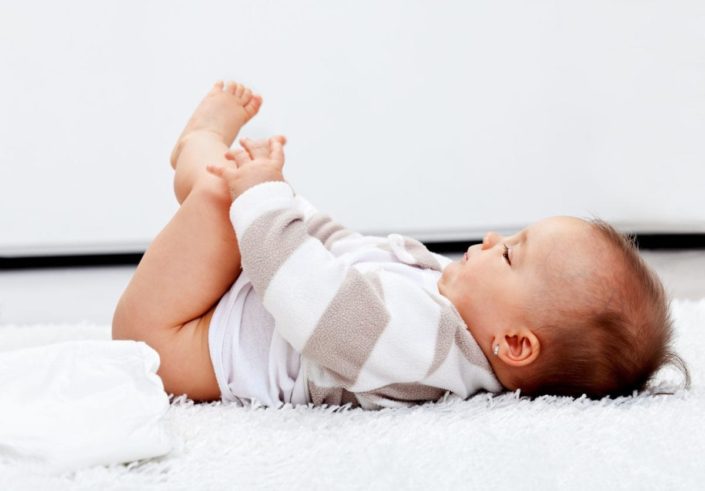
(435, 119)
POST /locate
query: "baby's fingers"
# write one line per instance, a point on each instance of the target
(258, 149)
(277, 153)
(281, 138)
(217, 170)
(239, 156)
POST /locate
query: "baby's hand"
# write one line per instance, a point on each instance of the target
(260, 161)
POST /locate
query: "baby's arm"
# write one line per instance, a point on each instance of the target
(335, 237)
(263, 161)
(328, 310)
(291, 271)
(309, 291)
(372, 328)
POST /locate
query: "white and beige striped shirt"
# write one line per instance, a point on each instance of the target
(364, 311)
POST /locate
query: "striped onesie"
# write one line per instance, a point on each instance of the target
(364, 312)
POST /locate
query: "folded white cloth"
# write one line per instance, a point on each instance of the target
(81, 403)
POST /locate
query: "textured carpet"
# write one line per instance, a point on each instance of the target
(501, 442)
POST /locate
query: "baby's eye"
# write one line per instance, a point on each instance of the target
(506, 254)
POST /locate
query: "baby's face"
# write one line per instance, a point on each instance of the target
(501, 282)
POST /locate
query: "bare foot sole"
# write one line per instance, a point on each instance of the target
(222, 112)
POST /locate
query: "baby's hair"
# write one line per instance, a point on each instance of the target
(607, 346)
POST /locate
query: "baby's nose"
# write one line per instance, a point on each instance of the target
(490, 239)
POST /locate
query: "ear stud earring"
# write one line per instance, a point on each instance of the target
(496, 350)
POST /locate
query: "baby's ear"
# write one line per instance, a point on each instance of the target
(521, 348)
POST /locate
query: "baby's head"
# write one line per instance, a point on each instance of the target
(564, 307)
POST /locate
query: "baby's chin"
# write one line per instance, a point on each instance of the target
(446, 277)
(452, 265)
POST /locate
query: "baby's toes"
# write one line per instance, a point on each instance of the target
(242, 93)
(217, 88)
(230, 87)
(253, 104)
(246, 96)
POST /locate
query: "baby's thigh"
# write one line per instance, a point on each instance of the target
(186, 366)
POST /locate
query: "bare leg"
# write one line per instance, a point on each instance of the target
(195, 258)
(209, 133)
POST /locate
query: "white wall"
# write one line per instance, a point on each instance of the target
(435, 119)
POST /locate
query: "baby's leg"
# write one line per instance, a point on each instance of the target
(193, 260)
(208, 134)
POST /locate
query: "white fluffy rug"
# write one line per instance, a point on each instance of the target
(504, 442)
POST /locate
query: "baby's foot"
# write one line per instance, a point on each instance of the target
(224, 110)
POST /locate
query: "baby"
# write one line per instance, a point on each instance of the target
(249, 293)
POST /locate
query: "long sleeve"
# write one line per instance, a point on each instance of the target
(328, 310)
(370, 323)
(335, 237)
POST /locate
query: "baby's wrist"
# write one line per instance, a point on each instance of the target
(241, 186)
(265, 183)
(259, 199)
